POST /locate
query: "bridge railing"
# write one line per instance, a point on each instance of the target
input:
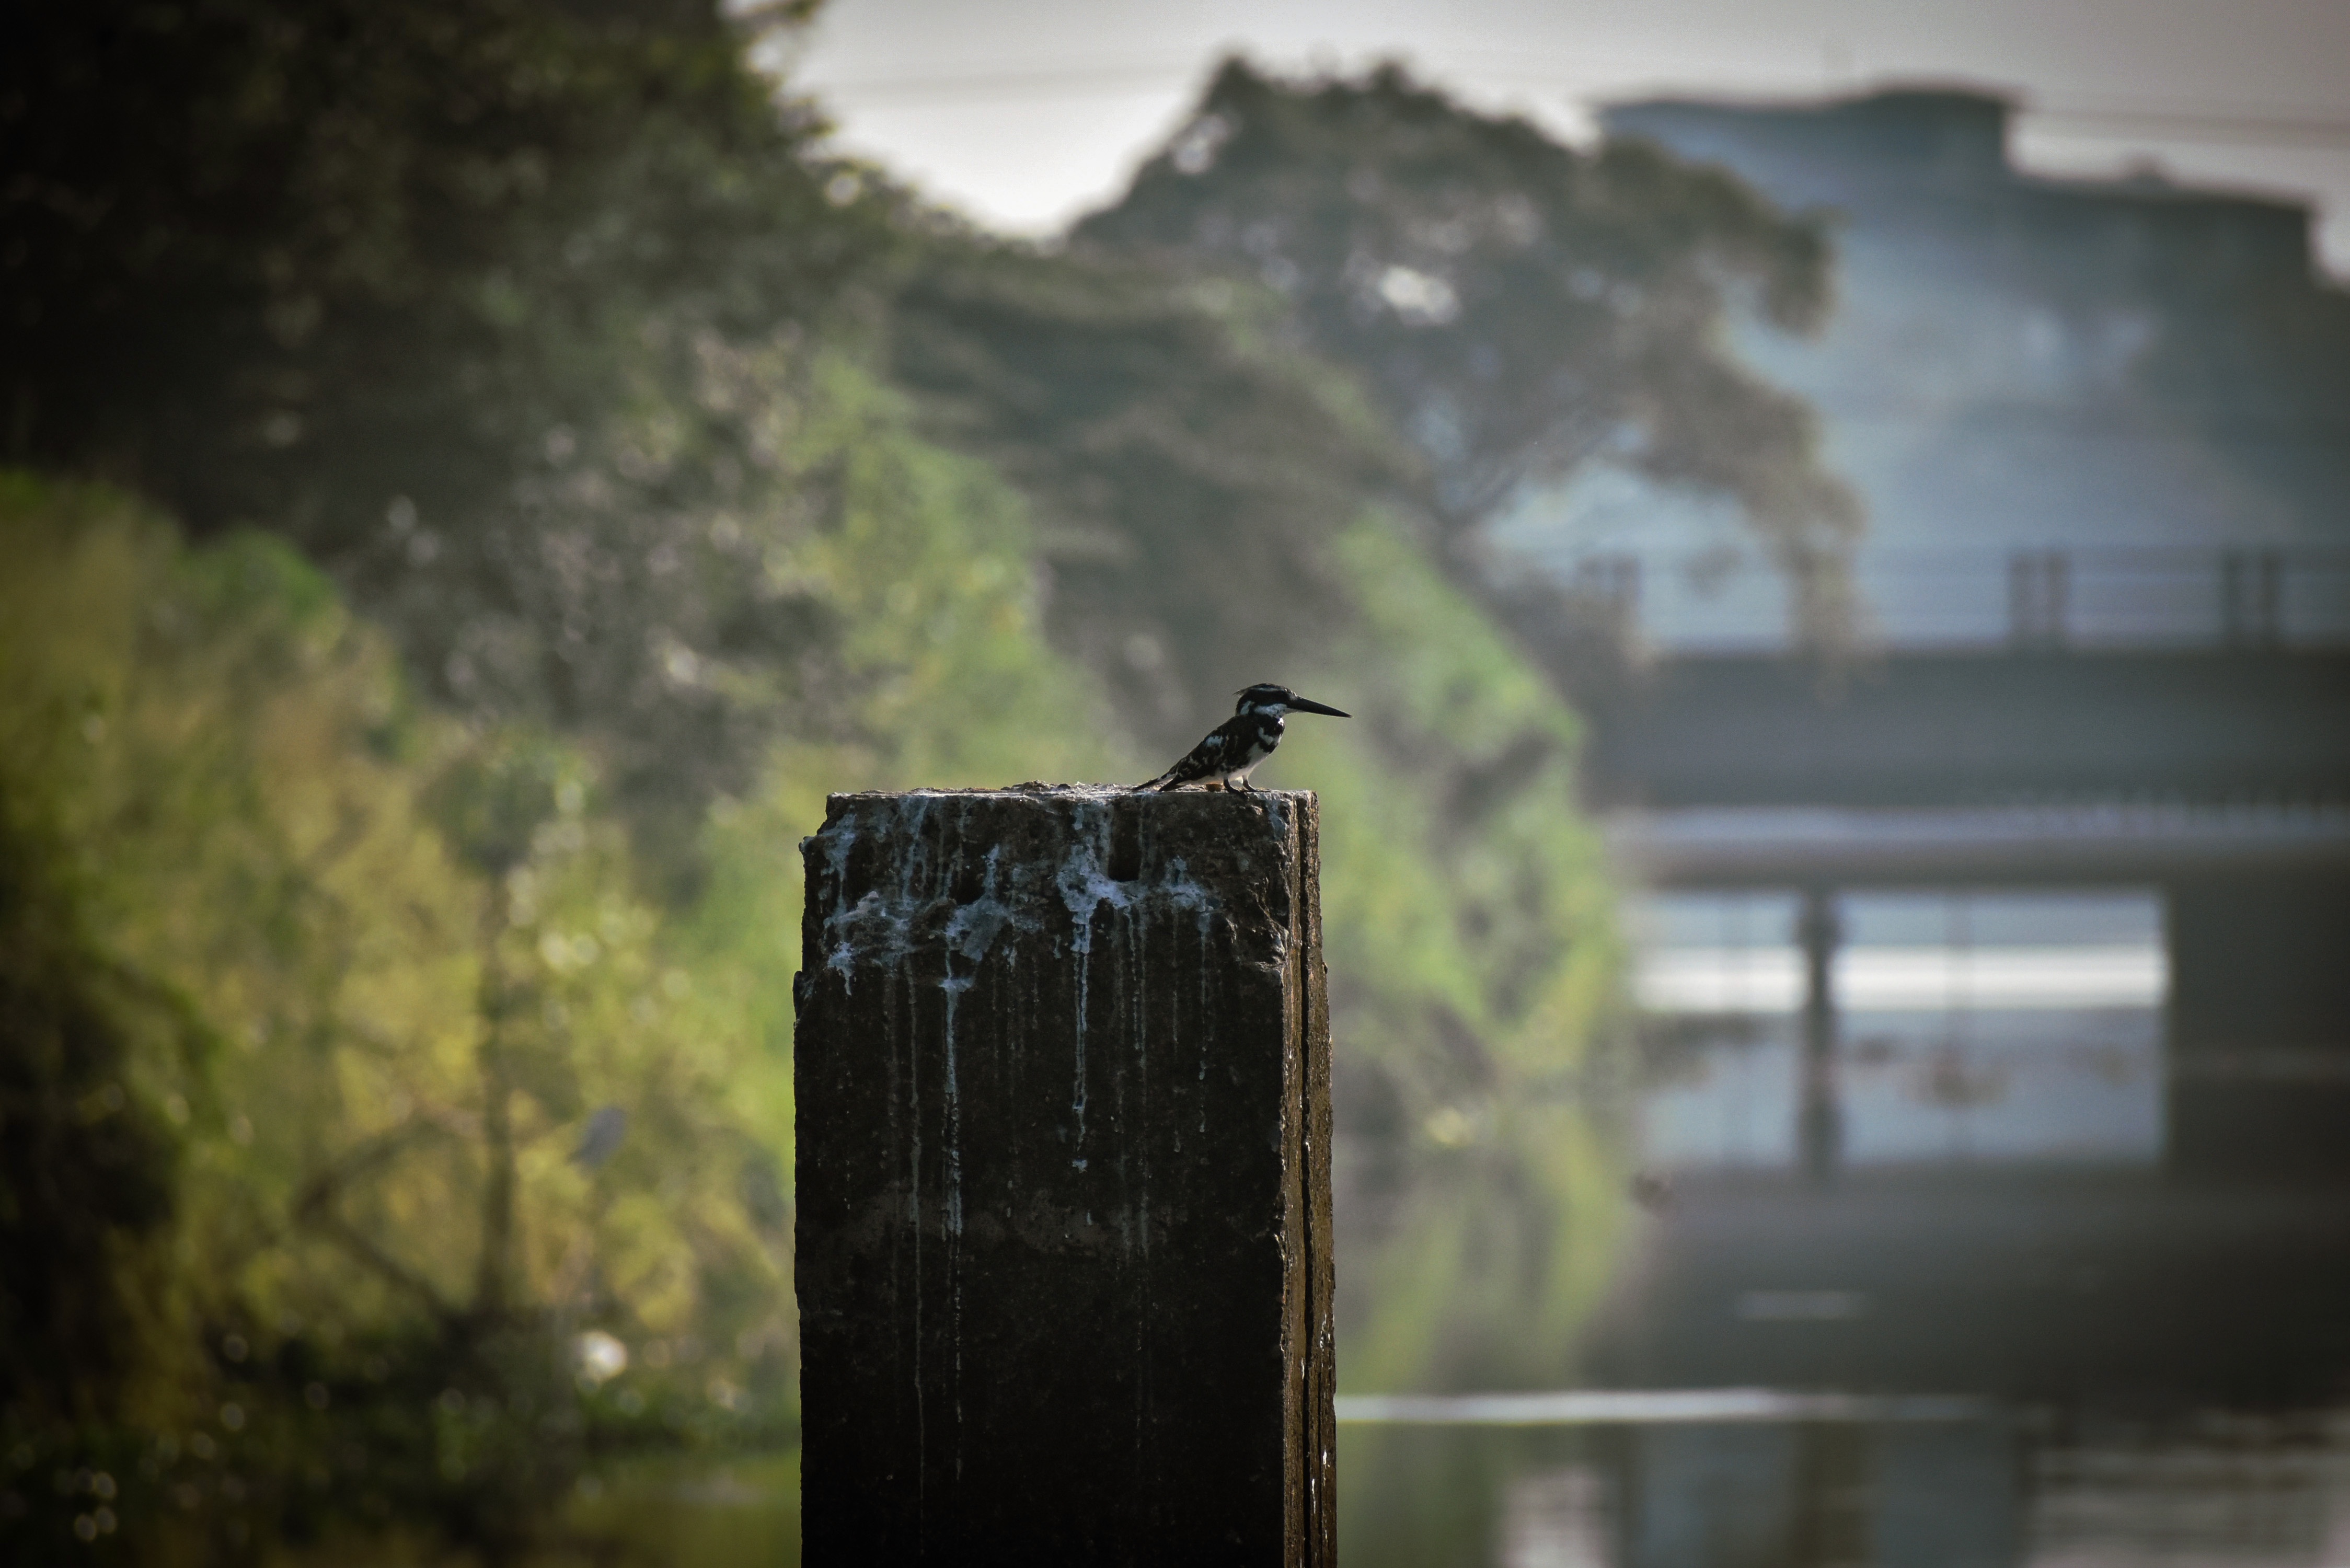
(2037, 598)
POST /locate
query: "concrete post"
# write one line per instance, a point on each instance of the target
(1819, 1130)
(1064, 1185)
(2259, 1023)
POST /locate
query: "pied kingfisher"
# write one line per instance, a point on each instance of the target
(1241, 742)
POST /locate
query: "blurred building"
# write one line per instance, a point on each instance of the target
(2102, 408)
(2107, 458)
(1998, 1025)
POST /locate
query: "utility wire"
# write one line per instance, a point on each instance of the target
(2113, 118)
(2236, 130)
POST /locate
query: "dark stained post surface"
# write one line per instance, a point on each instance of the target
(1819, 1126)
(1064, 1185)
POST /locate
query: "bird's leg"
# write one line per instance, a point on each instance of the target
(1256, 796)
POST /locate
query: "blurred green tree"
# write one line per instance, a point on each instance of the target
(434, 289)
(1518, 308)
(1213, 508)
(1188, 472)
(351, 1042)
(1216, 506)
(416, 866)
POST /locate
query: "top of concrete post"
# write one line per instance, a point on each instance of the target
(1063, 1238)
(969, 854)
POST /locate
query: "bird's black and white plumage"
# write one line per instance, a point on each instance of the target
(1241, 742)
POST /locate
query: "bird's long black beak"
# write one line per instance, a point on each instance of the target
(1300, 705)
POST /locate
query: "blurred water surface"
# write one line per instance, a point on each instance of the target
(2002, 1332)
(2012, 1488)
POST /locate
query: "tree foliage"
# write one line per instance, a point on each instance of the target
(584, 478)
(1204, 489)
(364, 1054)
(323, 237)
(451, 293)
(1519, 308)
(368, 1079)
(1188, 472)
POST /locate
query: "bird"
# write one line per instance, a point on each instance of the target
(1241, 742)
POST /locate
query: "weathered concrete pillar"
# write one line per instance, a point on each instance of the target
(2258, 1080)
(1819, 1119)
(1063, 1183)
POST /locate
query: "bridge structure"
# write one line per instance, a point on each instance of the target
(2218, 776)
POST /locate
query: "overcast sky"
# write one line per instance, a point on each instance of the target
(1022, 113)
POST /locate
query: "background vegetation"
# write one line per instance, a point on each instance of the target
(480, 476)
